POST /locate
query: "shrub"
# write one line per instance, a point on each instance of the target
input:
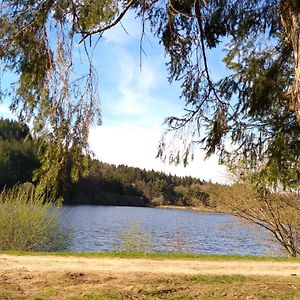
(134, 240)
(276, 212)
(30, 222)
(180, 243)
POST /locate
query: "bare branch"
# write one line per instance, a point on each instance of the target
(203, 50)
(102, 29)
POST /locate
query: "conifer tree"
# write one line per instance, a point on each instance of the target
(257, 106)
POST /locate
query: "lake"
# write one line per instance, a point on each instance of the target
(100, 228)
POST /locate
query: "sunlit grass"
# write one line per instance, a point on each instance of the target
(120, 254)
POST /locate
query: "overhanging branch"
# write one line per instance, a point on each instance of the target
(86, 34)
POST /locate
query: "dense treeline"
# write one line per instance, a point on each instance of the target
(105, 184)
(123, 185)
(18, 158)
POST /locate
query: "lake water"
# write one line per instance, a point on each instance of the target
(100, 228)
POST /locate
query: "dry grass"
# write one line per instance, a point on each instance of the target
(107, 285)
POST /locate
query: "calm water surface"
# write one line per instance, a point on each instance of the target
(100, 228)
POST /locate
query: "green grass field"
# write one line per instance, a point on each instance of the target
(156, 255)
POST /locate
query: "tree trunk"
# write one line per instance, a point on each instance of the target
(286, 243)
(290, 17)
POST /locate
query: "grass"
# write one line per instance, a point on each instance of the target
(84, 285)
(147, 286)
(207, 287)
(121, 254)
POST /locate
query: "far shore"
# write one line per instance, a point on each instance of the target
(196, 208)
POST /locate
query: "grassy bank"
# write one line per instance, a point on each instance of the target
(155, 255)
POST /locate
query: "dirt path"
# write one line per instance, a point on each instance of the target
(161, 266)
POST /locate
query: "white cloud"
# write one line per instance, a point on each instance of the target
(4, 109)
(5, 112)
(132, 97)
(135, 102)
(135, 86)
(137, 146)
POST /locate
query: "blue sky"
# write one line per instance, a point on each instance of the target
(135, 101)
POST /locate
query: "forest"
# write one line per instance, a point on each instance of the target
(104, 184)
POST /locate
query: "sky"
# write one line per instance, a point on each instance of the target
(136, 97)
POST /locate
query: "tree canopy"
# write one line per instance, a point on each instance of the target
(17, 154)
(257, 106)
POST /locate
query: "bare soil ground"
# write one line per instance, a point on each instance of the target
(157, 266)
(60, 277)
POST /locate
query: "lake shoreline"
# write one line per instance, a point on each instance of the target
(152, 255)
(178, 207)
(194, 208)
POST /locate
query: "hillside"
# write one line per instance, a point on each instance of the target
(104, 184)
(122, 185)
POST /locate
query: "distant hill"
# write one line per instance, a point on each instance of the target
(122, 185)
(105, 184)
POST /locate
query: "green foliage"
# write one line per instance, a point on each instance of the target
(18, 158)
(193, 195)
(134, 240)
(105, 184)
(47, 92)
(92, 13)
(251, 106)
(13, 131)
(122, 185)
(29, 222)
(58, 169)
(24, 159)
(255, 105)
(17, 162)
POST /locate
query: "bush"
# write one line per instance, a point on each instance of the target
(134, 240)
(180, 243)
(276, 212)
(29, 221)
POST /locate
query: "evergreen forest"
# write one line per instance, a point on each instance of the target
(104, 184)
